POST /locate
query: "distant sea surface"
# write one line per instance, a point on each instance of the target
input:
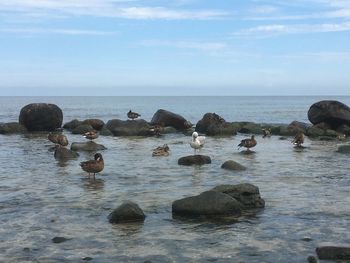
(306, 192)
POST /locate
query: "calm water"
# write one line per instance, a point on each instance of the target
(306, 193)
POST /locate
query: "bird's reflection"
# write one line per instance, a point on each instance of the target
(93, 184)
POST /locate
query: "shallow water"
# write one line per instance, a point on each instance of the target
(306, 194)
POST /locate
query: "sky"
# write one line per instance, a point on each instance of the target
(178, 47)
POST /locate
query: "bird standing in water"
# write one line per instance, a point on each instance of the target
(197, 142)
(266, 132)
(93, 166)
(91, 135)
(298, 139)
(133, 115)
(248, 143)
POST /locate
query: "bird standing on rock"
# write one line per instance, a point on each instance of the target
(248, 143)
(298, 139)
(197, 142)
(133, 115)
(93, 166)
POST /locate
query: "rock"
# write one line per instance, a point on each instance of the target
(282, 138)
(251, 128)
(233, 166)
(105, 132)
(326, 138)
(58, 240)
(344, 129)
(209, 203)
(167, 118)
(12, 128)
(323, 126)
(344, 148)
(169, 129)
(333, 113)
(41, 117)
(96, 124)
(83, 128)
(137, 127)
(333, 252)
(311, 259)
(213, 125)
(87, 258)
(296, 126)
(72, 124)
(62, 153)
(194, 160)
(127, 212)
(89, 146)
(315, 132)
(247, 194)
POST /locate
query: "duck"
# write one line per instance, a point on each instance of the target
(248, 143)
(59, 139)
(133, 115)
(266, 132)
(93, 166)
(197, 142)
(161, 151)
(341, 137)
(157, 130)
(91, 135)
(298, 139)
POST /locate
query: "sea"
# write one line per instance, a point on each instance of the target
(306, 192)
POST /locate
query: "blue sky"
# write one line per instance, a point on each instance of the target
(179, 47)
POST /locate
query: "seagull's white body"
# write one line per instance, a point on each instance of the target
(197, 141)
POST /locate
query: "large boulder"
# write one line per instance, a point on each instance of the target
(12, 128)
(213, 125)
(209, 203)
(233, 166)
(129, 127)
(82, 129)
(194, 160)
(41, 117)
(167, 118)
(62, 153)
(97, 124)
(247, 194)
(333, 252)
(296, 126)
(127, 212)
(71, 125)
(334, 113)
(87, 146)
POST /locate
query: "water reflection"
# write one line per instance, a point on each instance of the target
(92, 184)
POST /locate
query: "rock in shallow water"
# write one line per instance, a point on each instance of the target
(167, 118)
(12, 128)
(62, 153)
(58, 240)
(129, 128)
(233, 166)
(83, 128)
(127, 212)
(87, 146)
(333, 252)
(344, 149)
(213, 125)
(194, 160)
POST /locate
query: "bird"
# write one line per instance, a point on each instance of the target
(341, 137)
(91, 135)
(133, 115)
(157, 130)
(93, 166)
(298, 139)
(59, 139)
(266, 132)
(248, 143)
(197, 142)
(161, 151)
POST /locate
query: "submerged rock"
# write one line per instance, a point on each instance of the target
(333, 252)
(194, 160)
(209, 203)
(89, 146)
(167, 118)
(127, 212)
(41, 117)
(62, 153)
(344, 149)
(251, 128)
(213, 125)
(58, 240)
(12, 128)
(233, 166)
(247, 194)
(129, 127)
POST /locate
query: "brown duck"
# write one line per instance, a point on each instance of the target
(161, 151)
(266, 132)
(298, 139)
(59, 139)
(91, 135)
(247, 143)
(133, 115)
(93, 166)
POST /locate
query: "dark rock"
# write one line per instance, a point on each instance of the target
(58, 240)
(169, 129)
(282, 138)
(87, 258)
(333, 252)
(209, 203)
(311, 259)
(12, 128)
(344, 148)
(94, 123)
(233, 166)
(167, 118)
(127, 212)
(89, 146)
(41, 117)
(315, 132)
(344, 129)
(72, 124)
(105, 132)
(83, 128)
(323, 126)
(333, 113)
(296, 126)
(62, 153)
(194, 160)
(129, 127)
(247, 194)
(251, 128)
(326, 138)
(213, 125)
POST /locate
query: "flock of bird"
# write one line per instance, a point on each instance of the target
(97, 164)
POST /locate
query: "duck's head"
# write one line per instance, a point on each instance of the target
(166, 147)
(194, 134)
(98, 157)
(253, 137)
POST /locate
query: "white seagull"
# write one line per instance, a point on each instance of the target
(197, 142)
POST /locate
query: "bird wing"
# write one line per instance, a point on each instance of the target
(201, 139)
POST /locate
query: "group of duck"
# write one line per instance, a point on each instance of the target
(97, 164)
